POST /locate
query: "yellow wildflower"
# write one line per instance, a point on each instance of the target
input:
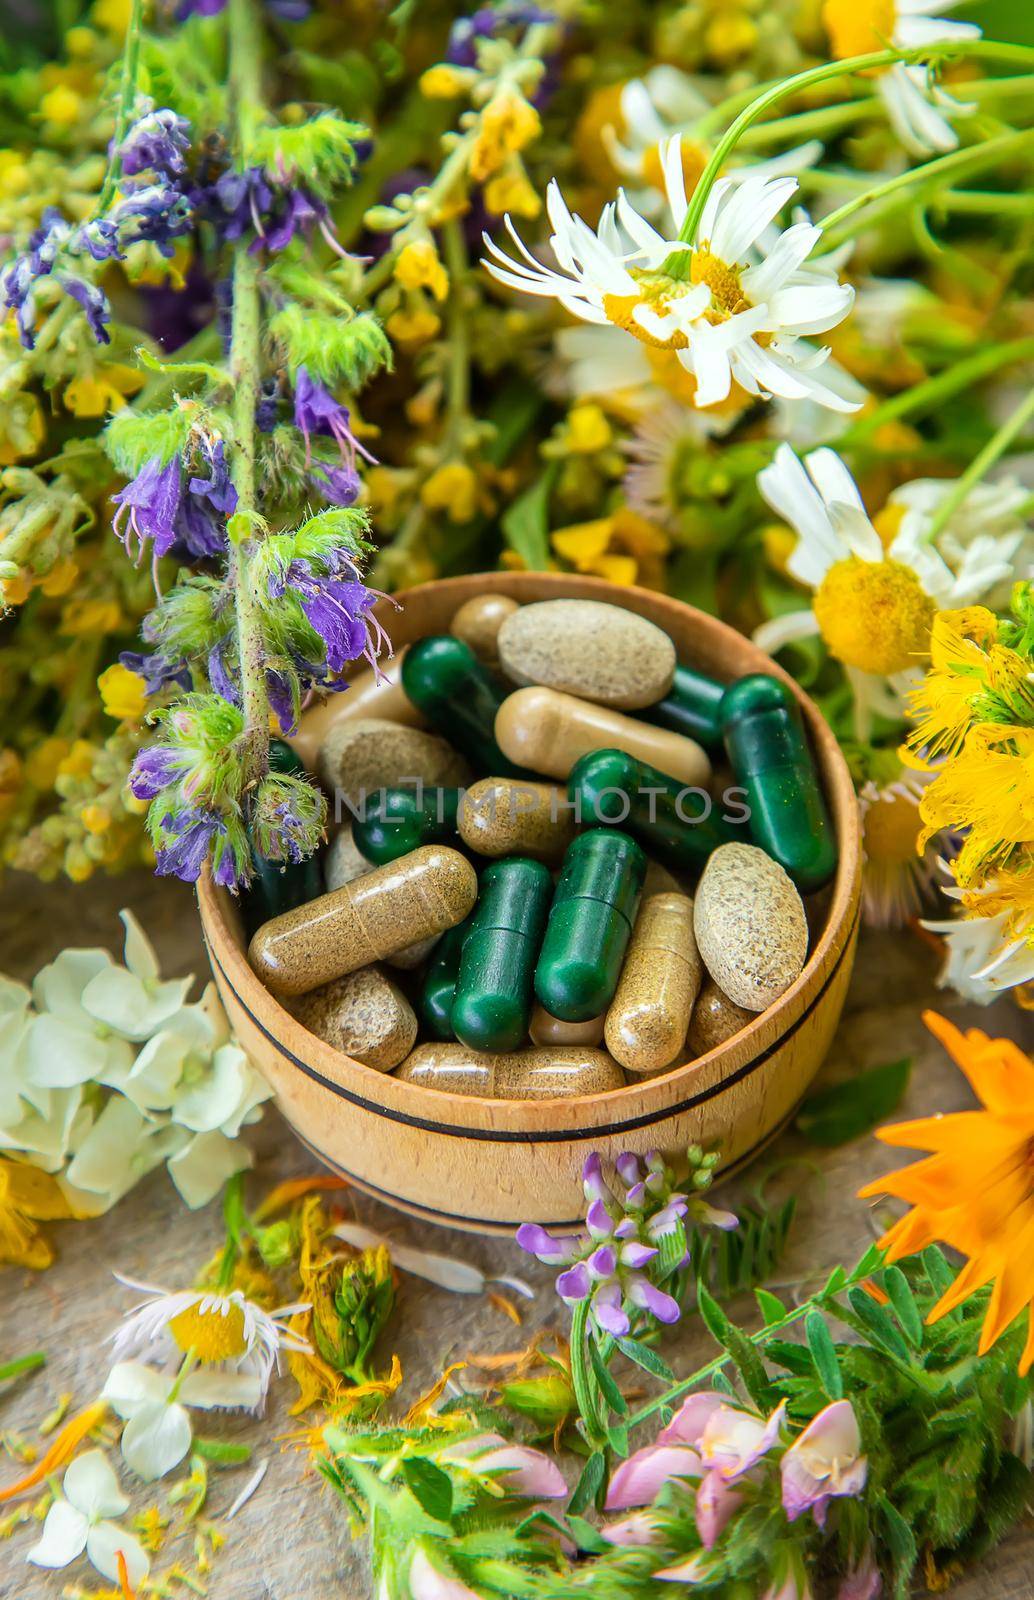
(27, 1196)
(508, 124)
(511, 192)
(86, 618)
(987, 788)
(452, 488)
(418, 267)
(80, 42)
(95, 818)
(43, 764)
(22, 428)
(78, 763)
(103, 390)
(15, 591)
(113, 16)
(970, 674)
(442, 82)
(14, 174)
(123, 693)
(1010, 893)
(420, 1414)
(625, 548)
(413, 327)
(874, 615)
(60, 578)
(857, 26)
(61, 106)
(729, 37)
(587, 429)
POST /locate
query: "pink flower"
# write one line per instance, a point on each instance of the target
(529, 1473)
(733, 1440)
(823, 1462)
(689, 1421)
(716, 1502)
(863, 1582)
(428, 1582)
(637, 1529)
(640, 1479)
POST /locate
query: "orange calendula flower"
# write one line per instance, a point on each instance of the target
(975, 1190)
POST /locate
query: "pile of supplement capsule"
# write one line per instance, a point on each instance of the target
(537, 868)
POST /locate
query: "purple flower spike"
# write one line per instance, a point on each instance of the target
(217, 490)
(155, 768)
(599, 1221)
(531, 1236)
(150, 503)
(95, 304)
(637, 1255)
(339, 486)
(593, 1181)
(607, 1311)
(603, 1262)
(574, 1284)
(317, 412)
(156, 142)
(660, 1305)
(627, 1168)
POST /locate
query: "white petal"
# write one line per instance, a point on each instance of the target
(138, 953)
(58, 988)
(857, 532)
(226, 1391)
(249, 1489)
(132, 1008)
(809, 308)
(63, 1538)
(792, 625)
(156, 1439)
(60, 1054)
(130, 1385)
(92, 1487)
(211, 1101)
(103, 1544)
(201, 1168)
(789, 252)
(912, 32)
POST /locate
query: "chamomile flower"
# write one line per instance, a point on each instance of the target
(919, 111)
(984, 955)
(225, 1329)
(877, 585)
(739, 313)
(897, 882)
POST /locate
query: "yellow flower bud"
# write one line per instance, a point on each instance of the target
(15, 591)
(61, 106)
(508, 124)
(78, 865)
(418, 267)
(60, 578)
(43, 763)
(81, 42)
(113, 16)
(123, 693)
(730, 36)
(511, 191)
(441, 82)
(78, 763)
(15, 179)
(95, 818)
(452, 489)
(588, 429)
(413, 327)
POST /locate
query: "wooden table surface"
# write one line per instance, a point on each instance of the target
(291, 1541)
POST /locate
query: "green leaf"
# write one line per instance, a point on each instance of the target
(848, 1110)
(585, 1536)
(221, 1452)
(525, 523)
(590, 1483)
(430, 1486)
(770, 1306)
(823, 1350)
(878, 1325)
(617, 1436)
(132, 440)
(901, 1544)
(740, 1348)
(646, 1358)
(905, 1308)
(938, 1269)
(869, 1263)
(609, 1389)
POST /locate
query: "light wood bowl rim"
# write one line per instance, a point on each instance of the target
(472, 1116)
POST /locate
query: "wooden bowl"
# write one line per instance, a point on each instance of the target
(488, 1165)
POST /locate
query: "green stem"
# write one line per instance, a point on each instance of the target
(985, 201)
(126, 101)
(677, 264)
(14, 1369)
(924, 396)
(819, 120)
(972, 157)
(458, 382)
(245, 351)
(581, 1381)
(981, 464)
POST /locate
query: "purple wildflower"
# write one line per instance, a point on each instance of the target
(95, 304)
(157, 142)
(199, 534)
(298, 212)
(240, 200)
(338, 485)
(157, 670)
(217, 489)
(156, 214)
(198, 8)
(281, 700)
(219, 674)
(486, 23)
(316, 411)
(338, 610)
(154, 769)
(99, 237)
(190, 836)
(151, 502)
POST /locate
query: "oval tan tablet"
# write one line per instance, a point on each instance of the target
(369, 694)
(547, 731)
(514, 817)
(649, 1014)
(477, 623)
(588, 648)
(364, 1015)
(363, 755)
(551, 1073)
(420, 894)
(750, 925)
(714, 1020)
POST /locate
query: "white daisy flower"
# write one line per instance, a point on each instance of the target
(80, 1521)
(897, 883)
(225, 1329)
(919, 111)
(874, 596)
(982, 959)
(154, 1406)
(741, 310)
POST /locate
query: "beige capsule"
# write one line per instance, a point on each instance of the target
(344, 863)
(366, 754)
(551, 1073)
(715, 1018)
(548, 732)
(369, 694)
(477, 623)
(367, 920)
(509, 817)
(549, 1030)
(364, 1015)
(649, 1014)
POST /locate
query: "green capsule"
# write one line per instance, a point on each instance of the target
(438, 990)
(590, 922)
(768, 748)
(459, 697)
(683, 825)
(493, 990)
(279, 886)
(400, 820)
(692, 706)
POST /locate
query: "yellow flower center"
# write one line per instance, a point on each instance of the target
(723, 282)
(216, 1335)
(891, 829)
(888, 524)
(657, 290)
(874, 615)
(857, 26)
